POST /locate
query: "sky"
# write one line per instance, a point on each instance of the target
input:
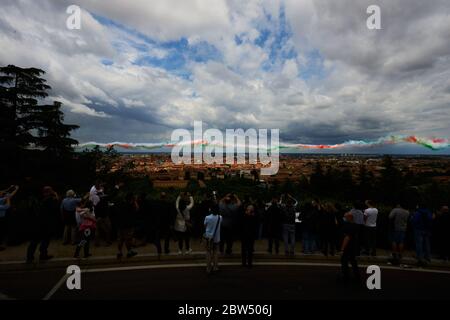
(137, 70)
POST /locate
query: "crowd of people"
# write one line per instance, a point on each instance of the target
(131, 219)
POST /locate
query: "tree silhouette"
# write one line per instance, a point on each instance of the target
(19, 90)
(54, 135)
(33, 136)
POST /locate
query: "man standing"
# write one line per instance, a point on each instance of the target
(44, 225)
(272, 221)
(358, 219)
(288, 206)
(422, 222)
(68, 207)
(370, 228)
(399, 216)
(249, 232)
(212, 239)
(228, 207)
(164, 218)
(349, 247)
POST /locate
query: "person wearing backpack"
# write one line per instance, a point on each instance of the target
(422, 221)
(212, 239)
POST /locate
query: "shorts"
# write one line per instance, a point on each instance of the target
(398, 237)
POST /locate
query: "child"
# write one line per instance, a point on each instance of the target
(87, 224)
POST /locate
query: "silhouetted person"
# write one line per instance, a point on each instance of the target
(68, 207)
(422, 221)
(399, 217)
(350, 247)
(310, 221)
(288, 208)
(126, 219)
(328, 226)
(249, 233)
(104, 224)
(370, 228)
(358, 219)
(228, 208)
(273, 224)
(44, 225)
(164, 214)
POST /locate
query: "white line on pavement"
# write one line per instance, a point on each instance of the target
(201, 264)
(56, 287)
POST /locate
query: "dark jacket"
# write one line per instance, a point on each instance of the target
(249, 227)
(273, 219)
(422, 219)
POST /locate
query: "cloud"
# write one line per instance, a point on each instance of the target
(136, 70)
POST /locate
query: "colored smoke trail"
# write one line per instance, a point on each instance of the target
(430, 143)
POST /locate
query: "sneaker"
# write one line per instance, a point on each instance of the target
(180, 252)
(131, 254)
(189, 251)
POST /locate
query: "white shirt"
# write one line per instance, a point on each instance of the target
(93, 195)
(371, 217)
(182, 217)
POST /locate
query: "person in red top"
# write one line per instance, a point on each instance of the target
(87, 224)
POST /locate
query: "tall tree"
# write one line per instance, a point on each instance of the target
(20, 89)
(53, 134)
